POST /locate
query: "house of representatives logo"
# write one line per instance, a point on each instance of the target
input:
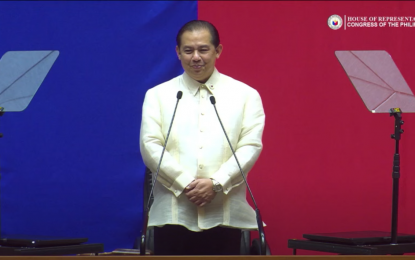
(335, 22)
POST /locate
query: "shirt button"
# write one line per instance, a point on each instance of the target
(200, 147)
(202, 113)
(201, 130)
(211, 86)
(203, 96)
(200, 166)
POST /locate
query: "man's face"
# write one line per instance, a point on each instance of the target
(197, 54)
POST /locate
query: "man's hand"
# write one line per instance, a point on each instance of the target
(200, 192)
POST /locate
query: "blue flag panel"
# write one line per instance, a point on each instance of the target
(70, 163)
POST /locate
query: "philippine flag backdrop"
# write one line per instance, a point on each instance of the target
(71, 165)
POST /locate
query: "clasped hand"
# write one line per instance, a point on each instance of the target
(200, 192)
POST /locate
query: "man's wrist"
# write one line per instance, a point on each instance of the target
(217, 187)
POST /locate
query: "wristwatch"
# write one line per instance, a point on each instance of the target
(216, 186)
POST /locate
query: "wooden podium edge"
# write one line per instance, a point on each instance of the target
(239, 257)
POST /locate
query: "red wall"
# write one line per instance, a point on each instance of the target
(327, 162)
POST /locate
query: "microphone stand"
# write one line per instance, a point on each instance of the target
(258, 214)
(147, 210)
(397, 113)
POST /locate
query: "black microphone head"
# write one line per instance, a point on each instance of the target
(179, 95)
(212, 100)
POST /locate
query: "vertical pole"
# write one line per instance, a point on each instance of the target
(397, 113)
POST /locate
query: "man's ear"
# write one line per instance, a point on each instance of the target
(178, 51)
(219, 50)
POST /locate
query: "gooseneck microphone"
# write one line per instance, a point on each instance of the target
(146, 212)
(258, 214)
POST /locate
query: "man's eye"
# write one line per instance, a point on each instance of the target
(188, 51)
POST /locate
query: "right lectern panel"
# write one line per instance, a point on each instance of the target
(378, 80)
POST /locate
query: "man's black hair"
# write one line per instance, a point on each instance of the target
(199, 25)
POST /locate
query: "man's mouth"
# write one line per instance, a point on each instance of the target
(197, 67)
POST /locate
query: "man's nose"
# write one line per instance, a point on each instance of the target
(196, 56)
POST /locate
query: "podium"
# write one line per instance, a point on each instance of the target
(52, 250)
(344, 249)
(21, 74)
(383, 89)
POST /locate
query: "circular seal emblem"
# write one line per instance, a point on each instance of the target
(335, 22)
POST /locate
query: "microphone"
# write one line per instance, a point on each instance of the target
(258, 214)
(146, 212)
